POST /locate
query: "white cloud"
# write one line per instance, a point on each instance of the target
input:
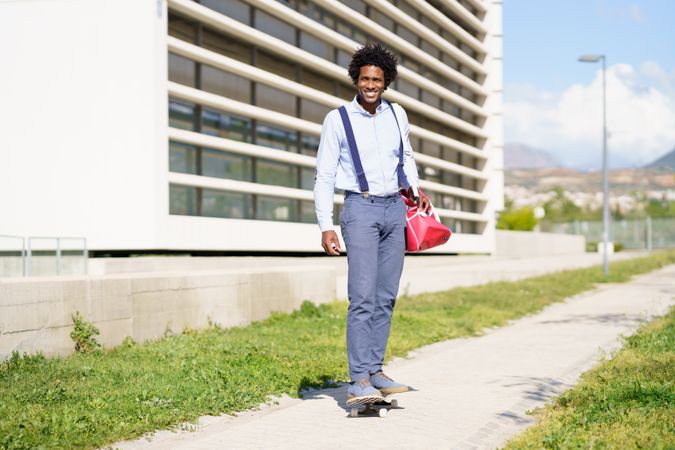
(635, 14)
(640, 117)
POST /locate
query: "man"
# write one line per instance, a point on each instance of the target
(371, 168)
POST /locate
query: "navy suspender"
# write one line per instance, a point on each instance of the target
(356, 160)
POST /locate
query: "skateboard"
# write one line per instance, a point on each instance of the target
(373, 408)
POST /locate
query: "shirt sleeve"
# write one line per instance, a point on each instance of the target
(409, 166)
(326, 169)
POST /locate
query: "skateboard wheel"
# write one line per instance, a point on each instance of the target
(354, 412)
(382, 412)
(394, 403)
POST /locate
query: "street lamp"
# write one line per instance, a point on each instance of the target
(605, 183)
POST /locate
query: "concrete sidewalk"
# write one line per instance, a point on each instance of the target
(469, 393)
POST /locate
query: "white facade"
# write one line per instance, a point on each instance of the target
(84, 147)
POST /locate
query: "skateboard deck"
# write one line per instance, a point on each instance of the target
(373, 408)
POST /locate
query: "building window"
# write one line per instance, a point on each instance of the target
(274, 99)
(312, 111)
(275, 64)
(182, 115)
(273, 208)
(315, 46)
(307, 178)
(231, 205)
(275, 173)
(236, 9)
(274, 27)
(181, 70)
(225, 84)
(182, 158)
(226, 126)
(307, 212)
(226, 46)
(273, 137)
(182, 200)
(181, 28)
(310, 145)
(221, 164)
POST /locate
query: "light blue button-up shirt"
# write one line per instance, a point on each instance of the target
(378, 140)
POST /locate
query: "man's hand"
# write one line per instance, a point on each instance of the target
(423, 202)
(330, 243)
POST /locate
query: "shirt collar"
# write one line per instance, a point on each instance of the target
(356, 107)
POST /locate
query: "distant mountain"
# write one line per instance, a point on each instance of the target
(522, 156)
(666, 161)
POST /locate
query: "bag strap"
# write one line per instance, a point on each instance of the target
(356, 159)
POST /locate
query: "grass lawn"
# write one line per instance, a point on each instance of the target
(627, 402)
(95, 399)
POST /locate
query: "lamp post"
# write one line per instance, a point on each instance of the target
(605, 182)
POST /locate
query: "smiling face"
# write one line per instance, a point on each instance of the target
(370, 86)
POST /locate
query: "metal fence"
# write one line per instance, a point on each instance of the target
(43, 256)
(647, 233)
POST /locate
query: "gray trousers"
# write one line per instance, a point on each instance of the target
(374, 231)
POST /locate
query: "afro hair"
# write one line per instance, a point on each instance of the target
(373, 55)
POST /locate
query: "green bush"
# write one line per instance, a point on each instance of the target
(521, 219)
(84, 335)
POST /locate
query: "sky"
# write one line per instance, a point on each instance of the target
(554, 103)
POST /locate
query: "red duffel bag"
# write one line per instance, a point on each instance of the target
(424, 230)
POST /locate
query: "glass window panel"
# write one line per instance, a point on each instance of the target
(407, 88)
(449, 61)
(182, 28)
(317, 81)
(235, 9)
(226, 84)
(315, 46)
(430, 99)
(307, 178)
(310, 145)
(346, 91)
(381, 19)
(274, 27)
(307, 212)
(232, 205)
(356, 5)
(272, 208)
(406, 8)
(182, 158)
(216, 163)
(313, 111)
(275, 64)
(181, 70)
(223, 125)
(448, 202)
(430, 49)
(274, 99)
(451, 108)
(275, 173)
(274, 137)
(408, 35)
(343, 59)
(182, 200)
(226, 45)
(433, 26)
(432, 149)
(431, 174)
(181, 115)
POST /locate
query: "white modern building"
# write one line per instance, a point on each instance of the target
(179, 125)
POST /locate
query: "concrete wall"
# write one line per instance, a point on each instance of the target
(83, 147)
(35, 313)
(527, 243)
